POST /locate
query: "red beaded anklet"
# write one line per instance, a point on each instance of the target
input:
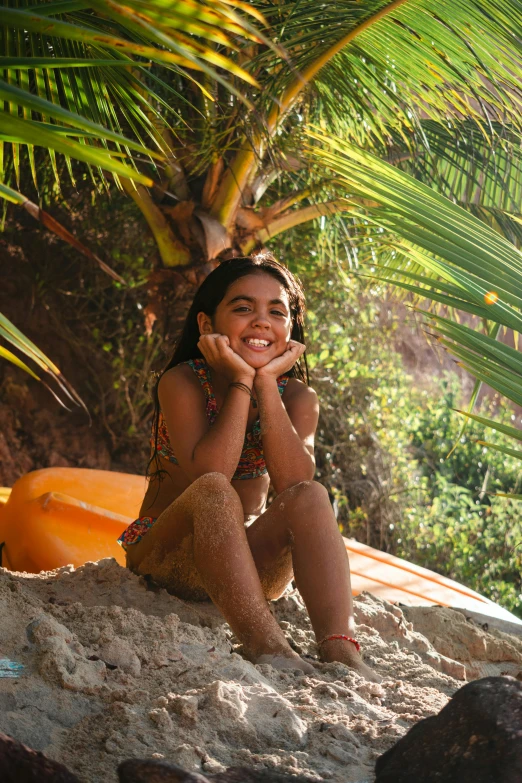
(341, 636)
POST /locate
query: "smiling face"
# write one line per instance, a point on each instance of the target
(255, 316)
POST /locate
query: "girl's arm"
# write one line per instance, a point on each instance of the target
(287, 429)
(199, 448)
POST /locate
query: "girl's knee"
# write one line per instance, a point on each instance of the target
(306, 493)
(211, 484)
(213, 478)
(215, 492)
(306, 505)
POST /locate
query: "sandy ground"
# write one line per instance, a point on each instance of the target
(114, 670)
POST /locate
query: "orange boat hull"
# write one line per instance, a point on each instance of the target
(57, 516)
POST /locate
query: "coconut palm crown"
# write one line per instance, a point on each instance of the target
(230, 123)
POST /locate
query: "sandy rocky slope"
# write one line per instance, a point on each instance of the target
(117, 670)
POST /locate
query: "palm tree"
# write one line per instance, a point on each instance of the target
(383, 75)
(428, 87)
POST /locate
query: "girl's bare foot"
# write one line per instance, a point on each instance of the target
(277, 652)
(280, 661)
(343, 651)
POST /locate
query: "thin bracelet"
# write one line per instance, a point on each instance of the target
(245, 388)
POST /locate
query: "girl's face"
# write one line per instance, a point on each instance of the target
(255, 316)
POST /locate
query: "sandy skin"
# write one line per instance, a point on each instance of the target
(199, 546)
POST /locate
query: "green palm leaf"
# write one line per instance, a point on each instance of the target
(189, 53)
(9, 332)
(517, 453)
(111, 99)
(471, 267)
(513, 432)
(471, 163)
(453, 58)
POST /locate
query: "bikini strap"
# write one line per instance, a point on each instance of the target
(202, 372)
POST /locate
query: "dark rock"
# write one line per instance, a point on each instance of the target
(475, 738)
(20, 764)
(149, 771)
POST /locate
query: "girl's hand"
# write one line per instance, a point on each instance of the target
(283, 363)
(220, 357)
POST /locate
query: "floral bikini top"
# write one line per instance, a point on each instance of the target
(252, 461)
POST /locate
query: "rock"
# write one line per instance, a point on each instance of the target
(119, 653)
(59, 662)
(20, 764)
(148, 771)
(46, 627)
(186, 707)
(393, 624)
(475, 738)
(251, 715)
(161, 718)
(458, 638)
(62, 657)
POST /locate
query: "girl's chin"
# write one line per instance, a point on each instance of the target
(256, 360)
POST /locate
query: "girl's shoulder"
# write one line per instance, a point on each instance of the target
(297, 391)
(182, 370)
(181, 376)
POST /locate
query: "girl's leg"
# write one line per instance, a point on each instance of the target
(198, 546)
(299, 531)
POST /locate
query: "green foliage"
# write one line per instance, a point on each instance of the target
(454, 523)
(478, 544)
(348, 334)
(434, 428)
(383, 446)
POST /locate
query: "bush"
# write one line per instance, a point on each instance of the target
(455, 523)
(383, 445)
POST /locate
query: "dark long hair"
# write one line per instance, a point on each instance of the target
(208, 296)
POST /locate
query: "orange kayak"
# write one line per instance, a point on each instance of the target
(57, 516)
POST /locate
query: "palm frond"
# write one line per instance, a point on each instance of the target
(426, 59)
(474, 164)
(10, 333)
(506, 429)
(471, 266)
(110, 103)
(517, 453)
(9, 194)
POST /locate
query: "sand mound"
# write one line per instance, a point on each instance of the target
(115, 670)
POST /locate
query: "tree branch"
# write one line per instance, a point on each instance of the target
(233, 184)
(172, 251)
(295, 218)
(268, 214)
(211, 182)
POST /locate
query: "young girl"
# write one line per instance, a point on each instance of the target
(233, 412)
